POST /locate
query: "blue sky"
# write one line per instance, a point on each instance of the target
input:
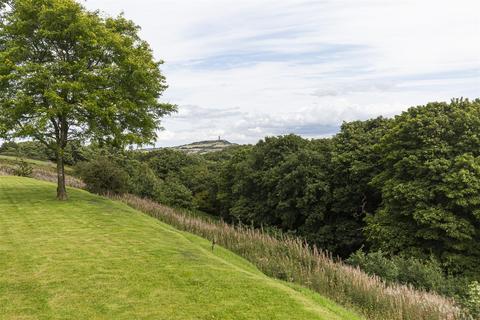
(247, 69)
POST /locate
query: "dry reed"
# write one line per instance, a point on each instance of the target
(51, 176)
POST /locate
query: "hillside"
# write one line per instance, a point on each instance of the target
(201, 147)
(10, 161)
(93, 258)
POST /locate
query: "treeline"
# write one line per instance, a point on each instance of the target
(399, 197)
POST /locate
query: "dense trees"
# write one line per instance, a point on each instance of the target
(268, 185)
(352, 163)
(67, 74)
(430, 185)
(407, 186)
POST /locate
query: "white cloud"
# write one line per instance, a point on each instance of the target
(244, 69)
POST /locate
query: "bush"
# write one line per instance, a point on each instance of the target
(102, 175)
(472, 299)
(424, 274)
(142, 180)
(172, 192)
(23, 169)
(375, 263)
(421, 274)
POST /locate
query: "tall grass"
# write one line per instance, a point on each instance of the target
(47, 175)
(293, 260)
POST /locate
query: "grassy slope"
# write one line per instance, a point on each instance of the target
(39, 164)
(91, 258)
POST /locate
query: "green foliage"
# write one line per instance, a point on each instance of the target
(167, 162)
(317, 188)
(23, 169)
(472, 299)
(73, 153)
(201, 179)
(375, 263)
(120, 172)
(70, 74)
(186, 181)
(172, 192)
(425, 274)
(267, 184)
(430, 186)
(142, 180)
(102, 175)
(350, 162)
(28, 149)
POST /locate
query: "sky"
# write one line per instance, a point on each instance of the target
(243, 70)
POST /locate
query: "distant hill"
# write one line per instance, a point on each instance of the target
(201, 147)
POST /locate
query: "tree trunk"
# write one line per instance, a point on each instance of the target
(61, 190)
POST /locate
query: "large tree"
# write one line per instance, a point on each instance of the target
(68, 74)
(430, 185)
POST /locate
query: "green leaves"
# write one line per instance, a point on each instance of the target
(61, 61)
(431, 183)
(70, 74)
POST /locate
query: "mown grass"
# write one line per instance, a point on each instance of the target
(295, 261)
(93, 258)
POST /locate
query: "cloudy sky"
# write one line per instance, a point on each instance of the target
(247, 69)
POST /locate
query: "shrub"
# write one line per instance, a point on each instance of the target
(142, 180)
(424, 274)
(102, 175)
(23, 169)
(375, 263)
(472, 299)
(172, 192)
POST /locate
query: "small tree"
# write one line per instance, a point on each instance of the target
(68, 74)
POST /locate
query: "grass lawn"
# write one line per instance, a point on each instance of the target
(91, 258)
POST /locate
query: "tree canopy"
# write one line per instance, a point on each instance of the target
(430, 185)
(68, 74)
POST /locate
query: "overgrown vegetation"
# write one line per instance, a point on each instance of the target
(23, 169)
(472, 300)
(424, 274)
(293, 260)
(403, 190)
